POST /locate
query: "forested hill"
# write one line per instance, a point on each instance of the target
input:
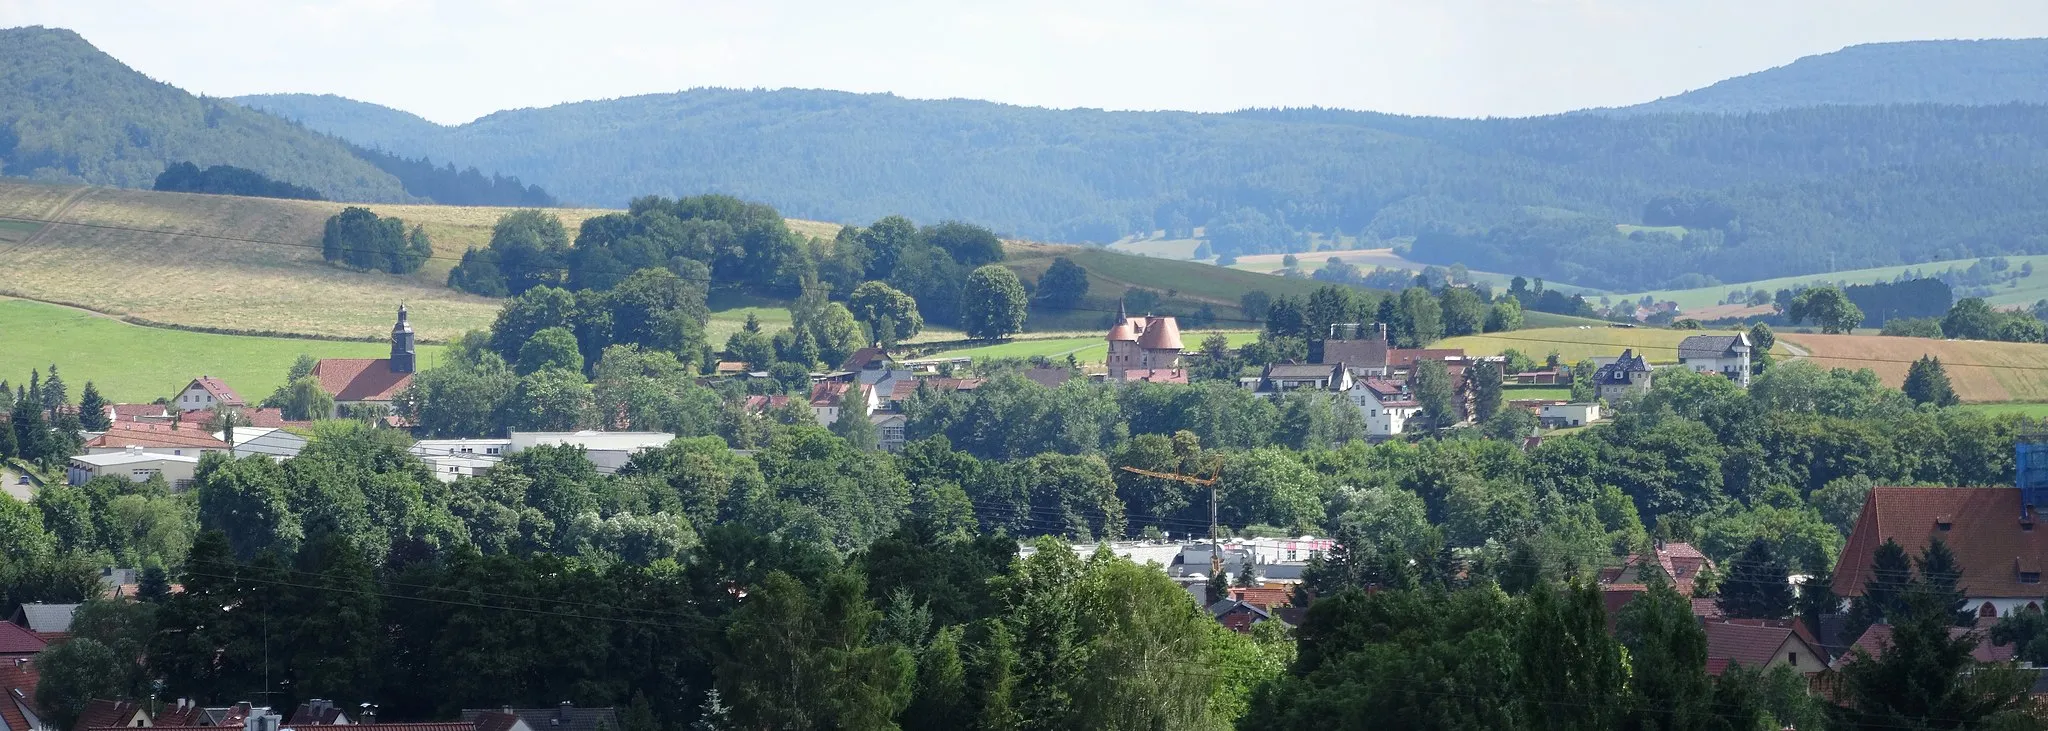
(69, 112)
(1739, 197)
(1914, 72)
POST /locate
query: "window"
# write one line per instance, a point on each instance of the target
(1987, 611)
(1792, 658)
(2030, 577)
(179, 452)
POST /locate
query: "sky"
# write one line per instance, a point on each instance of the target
(455, 60)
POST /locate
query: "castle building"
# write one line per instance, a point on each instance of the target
(359, 382)
(1145, 349)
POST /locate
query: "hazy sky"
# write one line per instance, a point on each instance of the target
(454, 60)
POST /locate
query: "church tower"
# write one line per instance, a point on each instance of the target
(401, 344)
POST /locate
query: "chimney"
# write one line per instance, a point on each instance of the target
(562, 711)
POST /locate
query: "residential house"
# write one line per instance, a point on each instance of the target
(18, 642)
(1992, 532)
(830, 397)
(1627, 376)
(608, 451)
(1280, 378)
(19, 677)
(1725, 355)
(110, 714)
(155, 439)
(890, 428)
(1365, 356)
(318, 711)
(868, 359)
(1386, 405)
(1237, 615)
(1149, 345)
(1680, 563)
(52, 622)
(563, 717)
(1401, 361)
(133, 464)
(268, 441)
(1761, 645)
(1562, 415)
(206, 392)
(1879, 636)
(373, 382)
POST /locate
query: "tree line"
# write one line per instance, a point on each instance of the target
(185, 177)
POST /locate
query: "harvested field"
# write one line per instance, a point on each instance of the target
(1981, 371)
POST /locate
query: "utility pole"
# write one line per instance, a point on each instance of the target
(1215, 532)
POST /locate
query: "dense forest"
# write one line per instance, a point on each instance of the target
(70, 113)
(1975, 72)
(185, 177)
(1745, 197)
(450, 187)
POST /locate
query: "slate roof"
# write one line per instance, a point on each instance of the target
(1710, 346)
(1363, 353)
(314, 713)
(360, 379)
(40, 618)
(154, 436)
(1297, 371)
(560, 718)
(1984, 531)
(1619, 371)
(17, 640)
(218, 389)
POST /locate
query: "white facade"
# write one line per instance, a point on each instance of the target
(195, 397)
(1557, 416)
(134, 465)
(1722, 355)
(276, 443)
(608, 451)
(1385, 416)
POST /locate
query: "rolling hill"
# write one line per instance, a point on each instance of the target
(1977, 72)
(2022, 289)
(69, 113)
(1735, 197)
(252, 265)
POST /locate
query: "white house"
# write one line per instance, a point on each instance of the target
(1559, 416)
(1280, 378)
(889, 428)
(1387, 406)
(135, 465)
(456, 458)
(1726, 355)
(205, 392)
(1627, 376)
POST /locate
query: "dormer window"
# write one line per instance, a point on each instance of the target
(2030, 577)
(1943, 522)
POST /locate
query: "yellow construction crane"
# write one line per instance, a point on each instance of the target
(1215, 472)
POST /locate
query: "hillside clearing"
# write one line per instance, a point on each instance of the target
(130, 363)
(1981, 371)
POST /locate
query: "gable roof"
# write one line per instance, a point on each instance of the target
(1262, 597)
(154, 436)
(218, 389)
(865, 358)
(829, 393)
(40, 618)
(360, 379)
(18, 683)
(1879, 636)
(18, 640)
(1363, 353)
(101, 713)
(1752, 645)
(564, 717)
(497, 721)
(1408, 357)
(1984, 531)
(1303, 370)
(1710, 346)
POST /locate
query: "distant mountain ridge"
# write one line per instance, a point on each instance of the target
(1967, 73)
(70, 113)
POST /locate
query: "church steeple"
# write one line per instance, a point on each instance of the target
(402, 360)
(1121, 316)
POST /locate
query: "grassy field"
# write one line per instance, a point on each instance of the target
(1184, 286)
(2023, 290)
(2028, 410)
(1553, 393)
(1085, 348)
(1574, 344)
(129, 363)
(1981, 371)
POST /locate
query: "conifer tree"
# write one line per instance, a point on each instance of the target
(1940, 575)
(1891, 576)
(54, 392)
(1927, 383)
(1758, 585)
(92, 410)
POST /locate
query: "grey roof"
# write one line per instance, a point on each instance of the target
(564, 717)
(45, 617)
(1366, 353)
(1222, 606)
(1302, 370)
(1710, 346)
(1619, 370)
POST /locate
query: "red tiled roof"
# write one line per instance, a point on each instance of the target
(154, 436)
(1156, 375)
(1161, 333)
(495, 721)
(1681, 563)
(1706, 609)
(758, 403)
(135, 412)
(1986, 536)
(22, 678)
(829, 393)
(1879, 636)
(17, 640)
(863, 358)
(1406, 357)
(360, 379)
(1754, 645)
(218, 389)
(1268, 598)
(272, 419)
(101, 713)
(1616, 596)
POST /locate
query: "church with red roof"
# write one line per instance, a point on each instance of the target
(370, 381)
